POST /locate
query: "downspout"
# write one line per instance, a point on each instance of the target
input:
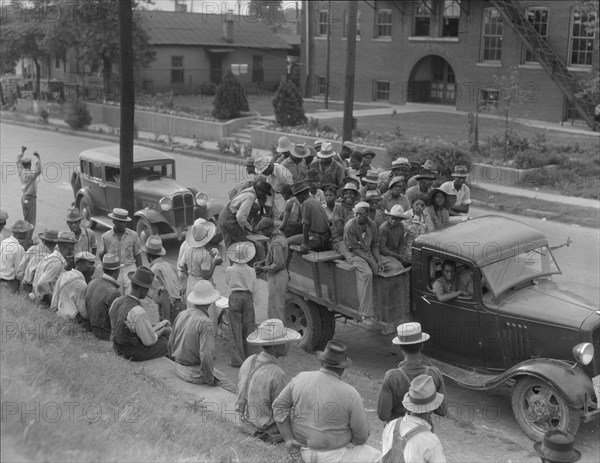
(305, 7)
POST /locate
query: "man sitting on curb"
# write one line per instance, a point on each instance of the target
(192, 344)
(133, 335)
(339, 437)
(411, 438)
(101, 293)
(34, 255)
(261, 380)
(12, 253)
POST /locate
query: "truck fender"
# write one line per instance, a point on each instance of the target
(85, 193)
(572, 383)
(151, 216)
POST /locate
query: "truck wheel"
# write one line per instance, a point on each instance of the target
(86, 213)
(327, 326)
(144, 229)
(304, 317)
(538, 408)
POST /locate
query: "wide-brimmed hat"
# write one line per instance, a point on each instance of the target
(460, 171)
(299, 187)
(204, 293)
(262, 163)
(368, 153)
(326, 151)
(143, 277)
(372, 195)
(66, 237)
(21, 226)
(430, 166)
(422, 396)
(3, 216)
(284, 145)
(271, 332)
(200, 233)
(111, 262)
(409, 333)
(73, 215)
(300, 150)
(351, 187)
(400, 162)
(334, 355)
(433, 192)
(318, 143)
(398, 211)
(154, 246)
(241, 252)
(557, 446)
(394, 180)
(361, 205)
(49, 235)
(84, 255)
(371, 177)
(262, 185)
(120, 214)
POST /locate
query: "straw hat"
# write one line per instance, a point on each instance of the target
(371, 177)
(394, 180)
(200, 233)
(398, 211)
(300, 151)
(143, 277)
(85, 256)
(111, 262)
(460, 171)
(334, 355)
(262, 163)
(284, 145)
(203, 293)
(299, 187)
(361, 205)
(22, 226)
(154, 246)
(66, 237)
(557, 446)
(422, 396)
(409, 333)
(351, 187)
(271, 332)
(49, 235)
(120, 214)
(430, 166)
(73, 215)
(372, 195)
(326, 151)
(400, 162)
(241, 252)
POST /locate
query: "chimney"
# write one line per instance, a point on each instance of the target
(228, 27)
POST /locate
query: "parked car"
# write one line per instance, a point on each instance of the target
(162, 206)
(516, 326)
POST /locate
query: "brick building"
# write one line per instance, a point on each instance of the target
(448, 52)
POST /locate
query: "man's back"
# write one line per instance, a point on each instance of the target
(422, 447)
(192, 333)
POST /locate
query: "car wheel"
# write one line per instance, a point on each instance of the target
(538, 408)
(304, 317)
(144, 229)
(86, 213)
(327, 326)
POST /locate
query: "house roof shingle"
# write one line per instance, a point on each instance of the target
(179, 28)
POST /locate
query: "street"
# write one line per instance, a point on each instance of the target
(480, 420)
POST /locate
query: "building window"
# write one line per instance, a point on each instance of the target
(382, 90)
(177, 70)
(383, 23)
(258, 73)
(422, 18)
(239, 69)
(323, 23)
(488, 99)
(450, 18)
(492, 35)
(582, 38)
(57, 62)
(345, 28)
(538, 18)
(321, 85)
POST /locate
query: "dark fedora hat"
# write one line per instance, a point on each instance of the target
(334, 355)
(49, 235)
(299, 187)
(143, 277)
(557, 446)
(264, 186)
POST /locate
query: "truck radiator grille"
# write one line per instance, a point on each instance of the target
(183, 209)
(518, 340)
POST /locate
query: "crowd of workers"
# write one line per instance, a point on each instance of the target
(334, 202)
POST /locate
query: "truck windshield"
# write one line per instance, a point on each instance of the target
(525, 266)
(163, 169)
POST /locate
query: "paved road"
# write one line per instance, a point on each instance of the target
(580, 264)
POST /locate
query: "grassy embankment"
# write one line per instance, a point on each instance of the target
(66, 397)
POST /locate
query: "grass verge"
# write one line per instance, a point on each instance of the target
(520, 205)
(66, 397)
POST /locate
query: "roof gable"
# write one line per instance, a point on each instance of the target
(180, 28)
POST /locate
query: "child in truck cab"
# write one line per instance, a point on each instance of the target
(449, 286)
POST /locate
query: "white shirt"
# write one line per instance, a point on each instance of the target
(68, 296)
(463, 196)
(11, 254)
(47, 273)
(423, 447)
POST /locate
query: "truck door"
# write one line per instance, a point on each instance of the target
(113, 186)
(92, 177)
(453, 325)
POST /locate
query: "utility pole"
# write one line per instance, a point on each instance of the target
(127, 104)
(327, 75)
(350, 60)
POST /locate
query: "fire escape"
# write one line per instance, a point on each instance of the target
(547, 58)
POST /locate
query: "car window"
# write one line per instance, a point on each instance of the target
(112, 174)
(95, 170)
(464, 275)
(153, 170)
(85, 167)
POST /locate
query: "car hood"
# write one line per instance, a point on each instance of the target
(159, 187)
(547, 303)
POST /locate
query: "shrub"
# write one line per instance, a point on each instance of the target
(530, 159)
(223, 145)
(248, 150)
(208, 88)
(288, 105)
(44, 115)
(230, 99)
(78, 116)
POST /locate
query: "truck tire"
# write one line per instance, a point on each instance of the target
(86, 213)
(538, 408)
(327, 326)
(144, 229)
(304, 317)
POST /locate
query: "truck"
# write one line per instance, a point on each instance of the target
(516, 326)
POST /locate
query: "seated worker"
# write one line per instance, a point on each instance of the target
(392, 242)
(342, 212)
(291, 222)
(458, 188)
(449, 285)
(315, 226)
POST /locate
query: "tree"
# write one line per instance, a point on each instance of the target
(230, 99)
(288, 105)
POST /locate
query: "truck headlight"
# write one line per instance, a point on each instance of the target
(166, 204)
(583, 353)
(201, 199)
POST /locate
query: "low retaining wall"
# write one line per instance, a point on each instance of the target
(486, 173)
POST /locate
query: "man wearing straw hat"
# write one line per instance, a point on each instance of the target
(132, 334)
(330, 171)
(424, 180)
(68, 297)
(12, 253)
(34, 255)
(101, 293)
(411, 438)
(277, 176)
(459, 191)
(295, 163)
(261, 379)
(396, 382)
(192, 343)
(557, 447)
(124, 243)
(302, 406)
(86, 239)
(392, 244)
(284, 146)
